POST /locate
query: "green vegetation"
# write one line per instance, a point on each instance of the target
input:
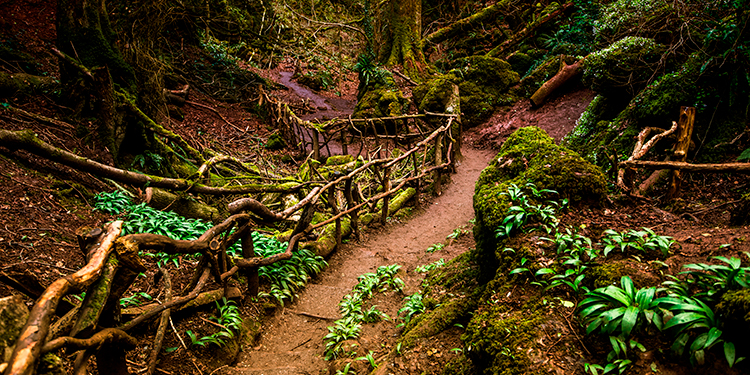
(229, 321)
(352, 308)
(285, 277)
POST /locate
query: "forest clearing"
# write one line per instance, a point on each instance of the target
(348, 187)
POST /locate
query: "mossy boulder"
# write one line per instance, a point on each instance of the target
(275, 142)
(483, 84)
(624, 65)
(520, 62)
(13, 315)
(435, 95)
(528, 155)
(500, 337)
(382, 100)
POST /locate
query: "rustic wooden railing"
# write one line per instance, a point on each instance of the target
(91, 327)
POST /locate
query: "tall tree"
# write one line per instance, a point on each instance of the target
(400, 24)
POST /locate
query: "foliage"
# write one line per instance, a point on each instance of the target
(616, 311)
(229, 320)
(435, 247)
(642, 241)
(429, 267)
(286, 277)
(135, 299)
(412, 307)
(370, 72)
(112, 203)
(352, 308)
(715, 279)
(523, 209)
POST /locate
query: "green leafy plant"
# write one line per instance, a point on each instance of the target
(713, 279)
(343, 329)
(523, 210)
(435, 247)
(693, 322)
(370, 358)
(113, 203)
(430, 267)
(346, 370)
(135, 299)
(643, 241)
(230, 321)
(615, 311)
(412, 307)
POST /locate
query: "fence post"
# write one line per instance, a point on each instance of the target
(315, 144)
(437, 177)
(351, 203)
(248, 251)
(684, 133)
(386, 186)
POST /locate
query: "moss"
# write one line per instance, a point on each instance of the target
(459, 366)
(275, 142)
(528, 155)
(382, 100)
(520, 62)
(13, 316)
(609, 273)
(339, 159)
(435, 94)
(433, 322)
(51, 364)
(499, 338)
(624, 64)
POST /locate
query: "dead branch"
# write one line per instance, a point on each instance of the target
(625, 175)
(175, 302)
(27, 140)
(28, 347)
(742, 168)
(163, 323)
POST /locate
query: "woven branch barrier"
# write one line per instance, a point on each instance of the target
(113, 259)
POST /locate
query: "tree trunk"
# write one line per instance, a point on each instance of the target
(401, 29)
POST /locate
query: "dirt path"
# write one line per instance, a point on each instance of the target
(292, 343)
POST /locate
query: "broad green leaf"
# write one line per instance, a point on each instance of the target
(629, 319)
(729, 353)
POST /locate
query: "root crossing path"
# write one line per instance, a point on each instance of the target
(292, 343)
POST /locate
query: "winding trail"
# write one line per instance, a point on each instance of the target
(292, 340)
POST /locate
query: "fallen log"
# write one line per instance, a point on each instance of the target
(161, 199)
(468, 23)
(526, 31)
(27, 140)
(29, 345)
(565, 74)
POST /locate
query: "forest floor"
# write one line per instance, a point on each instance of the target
(43, 204)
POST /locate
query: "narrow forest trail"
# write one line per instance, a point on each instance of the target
(292, 340)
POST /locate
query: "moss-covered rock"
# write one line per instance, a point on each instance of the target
(500, 337)
(623, 65)
(734, 308)
(483, 84)
(382, 100)
(529, 155)
(275, 142)
(13, 315)
(520, 62)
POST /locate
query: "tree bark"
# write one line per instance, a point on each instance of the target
(684, 134)
(565, 74)
(401, 28)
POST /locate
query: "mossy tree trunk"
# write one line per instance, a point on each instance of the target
(85, 35)
(401, 30)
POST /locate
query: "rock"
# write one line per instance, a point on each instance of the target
(13, 316)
